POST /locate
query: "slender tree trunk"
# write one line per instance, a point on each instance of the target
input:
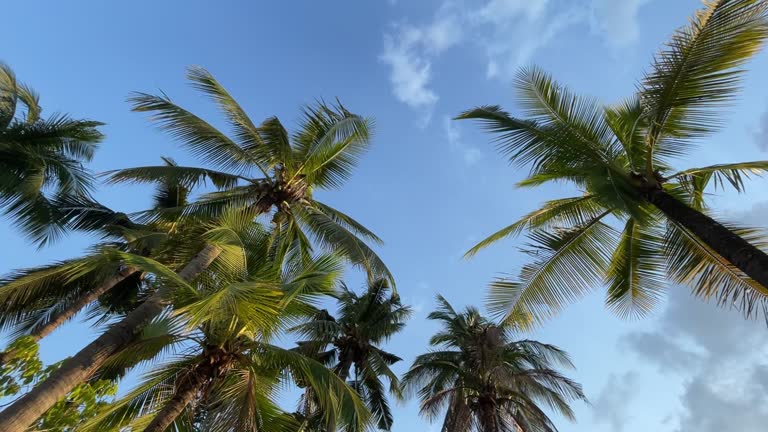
(739, 252)
(488, 417)
(77, 369)
(63, 316)
(185, 393)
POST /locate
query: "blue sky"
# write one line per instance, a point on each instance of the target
(429, 187)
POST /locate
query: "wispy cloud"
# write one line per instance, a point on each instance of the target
(616, 21)
(611, 406)
(409, 52)
(470, 155)
(509, 32)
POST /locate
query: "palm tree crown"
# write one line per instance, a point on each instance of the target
(40, 159)
(351, 344)
(620, 157)
(488, 381)
(264, 168)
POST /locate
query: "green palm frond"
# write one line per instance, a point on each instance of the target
(581, 120)
(333, 149)
(698, 73)
(732, 174)
(554, 213)
(566, 265)
(204, 140)
(636, 276)
(475, 362)
(254, 306)
(691, 262)
(347, 222)
(188, 176)
(330, 234)
(339, 403)
(248, 136)
(628, 122)
(155, 388)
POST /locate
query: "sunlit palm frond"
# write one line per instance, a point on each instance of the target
(247, 134)
(732, 174)
(698, 73)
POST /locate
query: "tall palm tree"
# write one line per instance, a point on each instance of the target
(488, 381)
(231, 370)
(35, 302)
(40, 159)
(619, 156)
(351, 344)
(320, 155)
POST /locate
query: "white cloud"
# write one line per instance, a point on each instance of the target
(509, 32)
(504, 12)
(721, 358)
(409, 52)
(611, 406)
(469, 154)
(616, 20)
(410, 73)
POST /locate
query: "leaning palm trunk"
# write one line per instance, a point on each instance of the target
(77, 369)
(60, 318)
(186, 391)
(732, 247)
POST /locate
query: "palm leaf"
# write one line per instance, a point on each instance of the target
(566, 265)
(636, 274)
(698, 73)
(204, 140)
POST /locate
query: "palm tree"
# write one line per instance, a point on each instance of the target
(35, 302)
(365, 322)
(40, 159)
(619, 157)
(231, 371)
(320, 155)
(488, 381)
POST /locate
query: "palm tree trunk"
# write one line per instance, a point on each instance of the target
(488, 417)
(745, 256)
(60, 318)
(185, 393)
(77, 369)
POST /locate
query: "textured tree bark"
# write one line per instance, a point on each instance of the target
(488, 417)
(57, 320)
(186, 390)
(739, 252)
(77, 369)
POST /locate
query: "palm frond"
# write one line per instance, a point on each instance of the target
(330, 234)
(204, 140)
(698, 73)
(567, 264)
(636, 274)
(330, 143)
(732, 174)
(559, 212)
(691, 262)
